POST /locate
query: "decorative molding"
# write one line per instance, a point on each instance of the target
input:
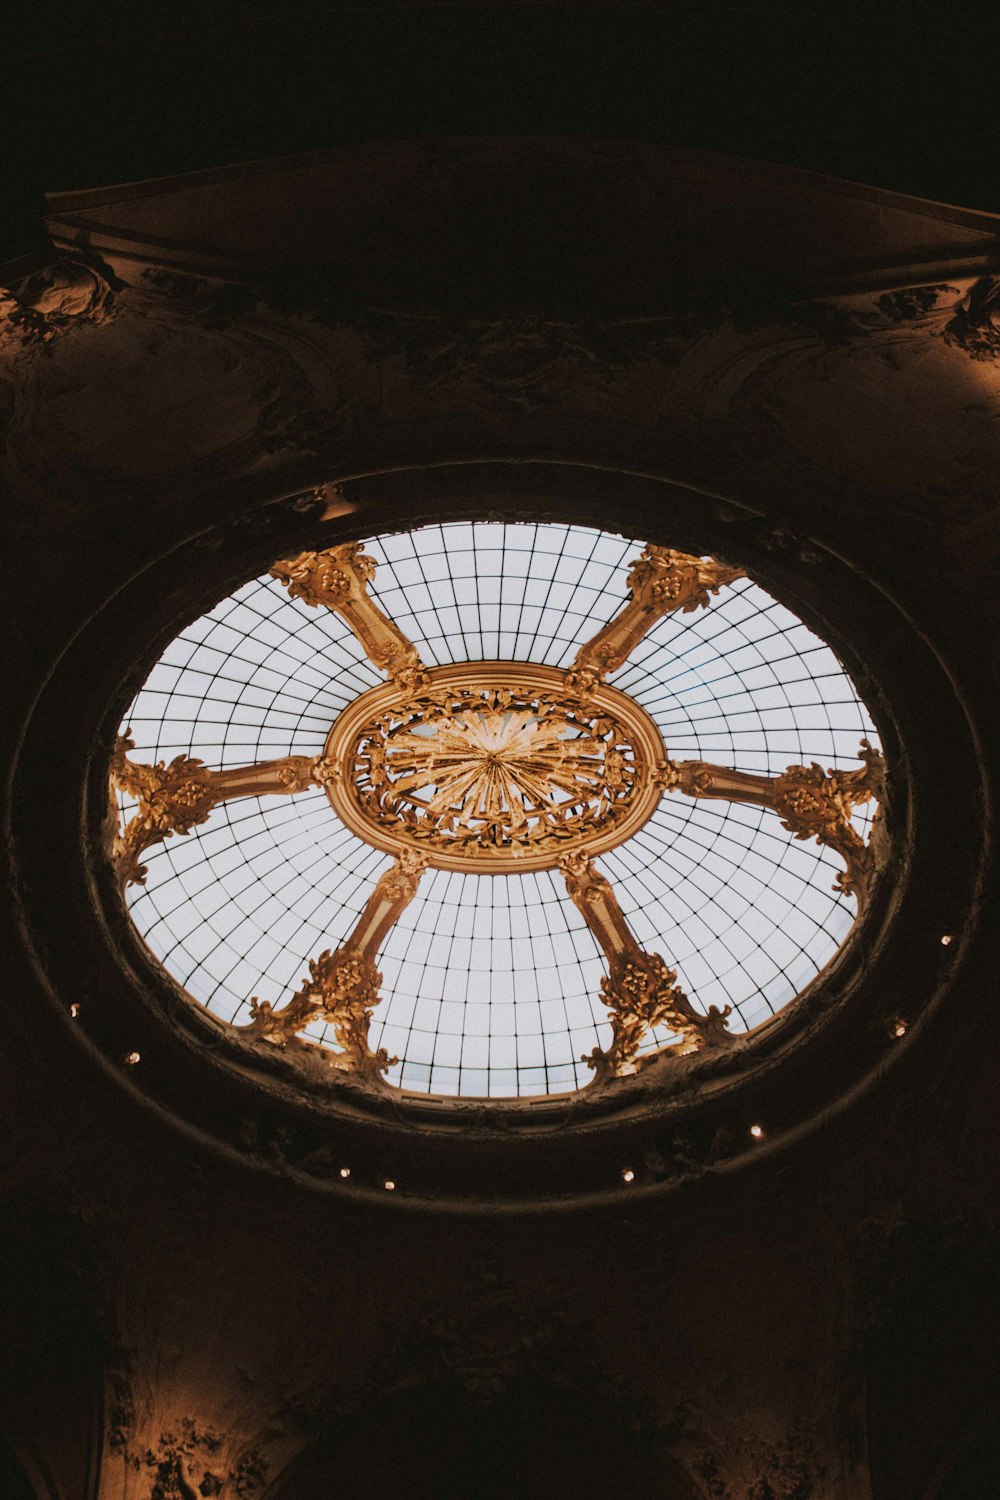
(967, 317)
(811, 802)
(51, 300)
(342, 986)
(639, 990)
(338, 580)
(192, 1462)
(661, 582)
(177, 797)
(975, 325)
(494, 767)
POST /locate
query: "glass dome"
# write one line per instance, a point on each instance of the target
(620, 720)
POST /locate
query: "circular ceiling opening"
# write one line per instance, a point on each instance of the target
(496, 809)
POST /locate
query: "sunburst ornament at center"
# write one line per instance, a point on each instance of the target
(493, 766)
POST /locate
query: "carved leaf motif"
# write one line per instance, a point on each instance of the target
(338, 579)
(640, 991)
(493, 769)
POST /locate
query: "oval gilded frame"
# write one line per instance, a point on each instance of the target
(355, 809)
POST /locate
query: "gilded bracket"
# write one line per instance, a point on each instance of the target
(177, 797)
(338, 579)
(661, 582)
(640, 990)
(811, 802)
(343, 985)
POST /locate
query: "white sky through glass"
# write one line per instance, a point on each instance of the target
(491, 983)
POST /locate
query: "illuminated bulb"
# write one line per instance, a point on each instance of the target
(131, 1058)
(628, 1175)
(74, 1010)
(389, 1185)
(945, 940)
(899, 1029)
(345, 1171)
(757, 1131)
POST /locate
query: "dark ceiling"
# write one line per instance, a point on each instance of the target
(124, 92)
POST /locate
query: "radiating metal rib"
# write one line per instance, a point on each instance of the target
(661, 582)
(639, 989)
(343, 986)
(177, 797)
(811, 802)
(338, 579)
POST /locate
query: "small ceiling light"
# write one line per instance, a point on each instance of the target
(628, 1175)
(389, 1185)
(131, 1058)
(899, 1029)
(74, 1010)
(757, 1131)
(345, 1171)
(946, 939)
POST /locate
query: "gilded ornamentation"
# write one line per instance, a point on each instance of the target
(493, 769)
(640, 990)
(177, 797)
(338, 579)
(172, 799)
(975, 326)
(814, 803)
(499, 767)
(325, 578)
(811, 802)
(343, 985)
(661, 582)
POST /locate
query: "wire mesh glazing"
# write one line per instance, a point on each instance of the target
(491, 984)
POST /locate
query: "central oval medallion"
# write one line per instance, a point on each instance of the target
(494, 767)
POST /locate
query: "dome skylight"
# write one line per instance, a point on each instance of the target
(496, 809)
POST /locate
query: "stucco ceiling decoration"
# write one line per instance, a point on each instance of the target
(721, 344)
(499, 767)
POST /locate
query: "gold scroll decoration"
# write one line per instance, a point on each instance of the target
(811, 802)
(176, 797)
(661, 582)
(493, 768)
(338, 579)
(640, 990)
(343, 985)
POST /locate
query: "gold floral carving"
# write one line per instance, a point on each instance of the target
(640, 990)
(811, 802)
(338, 579)
(343, 985)
(177, 797)
(171, 799)
(492, 769)
(661, 582)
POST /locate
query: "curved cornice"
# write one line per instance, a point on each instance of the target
(659, 223)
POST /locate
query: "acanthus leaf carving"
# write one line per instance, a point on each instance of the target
(661, 581)
(50, 300)
(177, 797)
(640, 989)
(172, 799)
(811, 802)
(343, 984)
(338, 579)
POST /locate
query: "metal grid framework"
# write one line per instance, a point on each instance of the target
(491, 982)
